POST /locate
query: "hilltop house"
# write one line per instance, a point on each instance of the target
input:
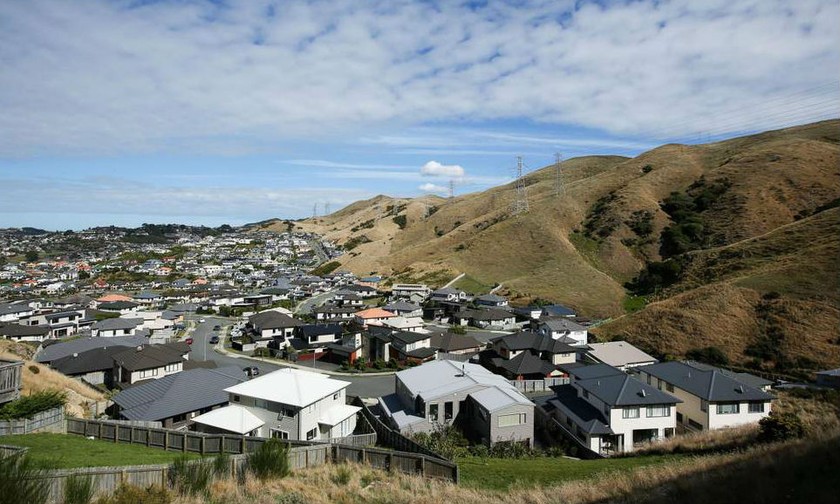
(710, 399)
(490, 318)
(20, 332)
(286, 404)
(449, 294)
(491, 300)
(442, 392)
(609, 411)
(415, 293)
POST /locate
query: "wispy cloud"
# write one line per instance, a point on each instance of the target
(117, 77)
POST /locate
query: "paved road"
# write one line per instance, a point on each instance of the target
(363, 386)
(305, 307)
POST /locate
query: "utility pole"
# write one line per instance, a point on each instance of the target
(327, 208)
(520, 202)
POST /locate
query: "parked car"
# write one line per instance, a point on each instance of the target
(217, 327)
(188, 341)
(214, 339)
(201, 321)
(251, 371)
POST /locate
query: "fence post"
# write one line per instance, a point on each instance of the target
(202, 444)
(131, 435)
(100, 431)
(148, 437)
(116, 433)
(242, 444)
(423, 465)
(390, 459)
(165, 440)
(222, 444)
(184, 447)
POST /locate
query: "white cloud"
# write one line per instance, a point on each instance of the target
(433, 188)
(435, 169)
(124, 77)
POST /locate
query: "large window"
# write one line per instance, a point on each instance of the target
(311, 434)
(658, 411)
(261, 403)
(433, 412)
(279, 434)
(728, 408)
(757, 407)
(630, 413)
(447, 410)
(669, 387)
(512, 420)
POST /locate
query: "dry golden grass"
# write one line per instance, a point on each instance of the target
(78, 394)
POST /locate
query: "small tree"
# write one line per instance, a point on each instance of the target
(31, 255)
(780, 427)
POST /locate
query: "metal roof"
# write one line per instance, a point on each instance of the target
(587, 417)
(711, 385)
(624, 390)
(618, 353)
(79, 345)
(289, 386)
(231, 418)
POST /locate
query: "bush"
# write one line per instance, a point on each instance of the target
(191, 477)
(271, 460)
(221, 465)
(130, 494)
(29, 406)
(20, 480)
(342, 475)
(780, 427)
(79, 489)
(292, 498)
(710, 355)
(647, 169)
(34, 369)
(400, 220)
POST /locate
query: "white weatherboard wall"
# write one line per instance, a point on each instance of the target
(626, 426)
(743, 416)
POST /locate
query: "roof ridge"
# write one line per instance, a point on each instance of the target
(621, 390)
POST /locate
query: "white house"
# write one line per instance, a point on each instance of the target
(710, 399)
(560, 327)
(610, 411)
(115, 327)
(286, 404)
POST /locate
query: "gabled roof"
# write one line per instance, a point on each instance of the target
(97, 359)
(449, 342)
(561, 324)
(624, 390)
(20, 331)
(588, 417)
(149, 356)
(116, 323)
(525, 363)
(402, 306)
(118, 305)
(557, 310)
(178, 393)
(289, 386)
(232, 418)
(317, 330)
(443, 377)
(593, 371)
(712, 386)
(64, 348)
(745, 378)
(490, 314)
(409, 337)
(528, 340)
(271, 319)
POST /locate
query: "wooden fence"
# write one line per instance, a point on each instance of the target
(51, 420)
(544, 385)
(10, 376)
(107, 479)
(392, 439)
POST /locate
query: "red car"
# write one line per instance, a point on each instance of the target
(188, 341)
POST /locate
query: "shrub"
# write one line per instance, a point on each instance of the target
(710, 355)
(342, 475)
(400, 220)
(191, 477)
(221, 465)
(79, 489)
(271, 460)
(34, 369)
(780, 427)
(28, 406)
(292, 498)
(20, 480)
(647, 169)
(457, 329)
(130, 494)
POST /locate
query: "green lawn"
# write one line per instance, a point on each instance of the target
(69, 450)
(633, 303)
(502, 474)
(472, 286)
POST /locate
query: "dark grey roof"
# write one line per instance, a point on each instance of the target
(561, 324)
(116, 323)
(830, 372)
(489, 314)
(64, 348)
(558, 310)
(409, 336)
(118, 305)
(745, 378)
(20, 331)
(273, 320)
(149, 356)
(588, 417)
(147, 295)
(317, 330)
(62, 314)
(624, 390)
(525, 363)
(449, 342)
(712, 385)
(97, 359)
(402, 306)
(528, 340)
(421, 353)
(593, 371)
(9, 308)
(177, 394)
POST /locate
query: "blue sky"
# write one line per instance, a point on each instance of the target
(123, 112)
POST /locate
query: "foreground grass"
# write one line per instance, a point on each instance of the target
(65, 451)
(504, 474)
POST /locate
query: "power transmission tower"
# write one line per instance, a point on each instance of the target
(315, 210)
(451, 188)
(520, 203)
(326, 208)
(558, 181)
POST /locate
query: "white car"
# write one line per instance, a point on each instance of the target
(201, 321)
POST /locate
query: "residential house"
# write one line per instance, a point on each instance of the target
(349, 349)
(94, 366)
(449, 294)
(271, 325)
(409, 324)
(372, 316)
(121, 307)
(318, 336)
(609, 411)
(149, 362)
(710, 399)
(287, 404)
(16, 312)
(829, 378)
(461, 344)
(63, 323)
(404, 309)
(364, 291)
(333, 313)
(176, 399)
(528, 355)
(557, 310)
(20, 332)
(491, 300)
(115, 327)
(618, 354)
(54, 350)
(416, 293)
(487, 407)
(148, 298)
(563, 329)
(490, 318)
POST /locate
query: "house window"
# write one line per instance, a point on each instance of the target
(171, 367)
(261, 403)
(433, 412)
(704, 405)
(447, 410)
(311, 434)
(658, 411)
(669, 387)
(335, 396)
(279, 434)
(756, 407)
(236, 398)
(695, 425)
(512, 420)
(630, 413)
(585, 394)
(669, 432)
(727, 408)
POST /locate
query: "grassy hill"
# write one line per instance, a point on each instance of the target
(741, 220)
